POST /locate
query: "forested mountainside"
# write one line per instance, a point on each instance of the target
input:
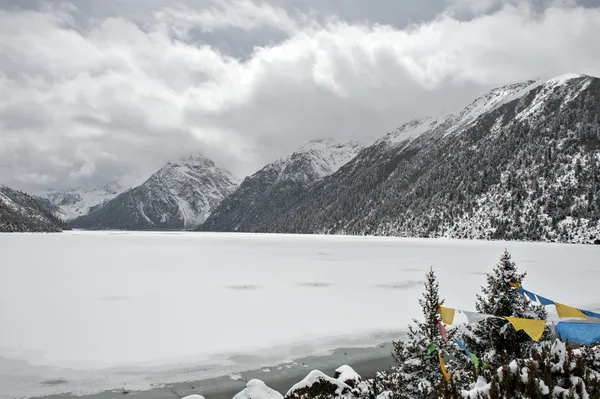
(520, 163)
(180, 195)
(274, 185)
(20, 212)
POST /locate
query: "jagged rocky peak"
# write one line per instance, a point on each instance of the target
(317, 159)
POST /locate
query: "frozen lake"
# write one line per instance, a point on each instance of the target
(162, 307)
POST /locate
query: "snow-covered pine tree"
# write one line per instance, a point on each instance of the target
(496, 338)
(421, 371)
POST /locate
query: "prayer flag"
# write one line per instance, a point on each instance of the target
(568, 311)
(533, 328)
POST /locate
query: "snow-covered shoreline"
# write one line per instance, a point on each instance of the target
(281, 377)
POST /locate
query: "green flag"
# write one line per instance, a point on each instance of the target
(474, 359)
(430, 349)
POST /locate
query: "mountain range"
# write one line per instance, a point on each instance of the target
(521, 162)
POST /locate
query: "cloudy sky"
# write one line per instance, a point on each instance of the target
(102, 90)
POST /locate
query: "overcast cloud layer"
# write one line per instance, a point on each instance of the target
(100, 91)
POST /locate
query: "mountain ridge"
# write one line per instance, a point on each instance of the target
(443, 179)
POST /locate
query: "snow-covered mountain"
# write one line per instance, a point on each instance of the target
(75, 202)
(520, 162)
(313, 161)
(20, 212)
(455, 121)
(180, 195)
(281, 182)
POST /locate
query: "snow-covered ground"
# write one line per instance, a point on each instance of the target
(165, 307)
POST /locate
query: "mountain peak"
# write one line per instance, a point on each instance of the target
(179, 195)
(317, 159)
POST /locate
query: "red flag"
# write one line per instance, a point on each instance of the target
(443, 332)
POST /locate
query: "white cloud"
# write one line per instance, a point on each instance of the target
(241, 14)
(117, 97)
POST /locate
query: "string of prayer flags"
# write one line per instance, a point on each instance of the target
(443, 332)
(563, 311)
(447, 314)
(533, 328)
(443, 367)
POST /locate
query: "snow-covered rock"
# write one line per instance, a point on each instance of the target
(348, 376)
(181, 195)
(318, 377)
(194, 396)
(256, 389)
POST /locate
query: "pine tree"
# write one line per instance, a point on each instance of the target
(496, 337)
(421, 369)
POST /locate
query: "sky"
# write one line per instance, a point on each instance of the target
(109, 91)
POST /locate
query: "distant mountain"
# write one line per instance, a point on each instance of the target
(520, 163)
(280, 183)
(20, 212)
(180, 195)
(75, 202)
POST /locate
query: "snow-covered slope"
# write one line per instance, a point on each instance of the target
(20, 212)
(76, 202)
(455, 121)
(521, 162)
(180, 195)
(316, 160)
(281, 182)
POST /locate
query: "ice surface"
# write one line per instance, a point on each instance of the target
(184, 306)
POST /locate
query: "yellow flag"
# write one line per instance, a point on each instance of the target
(514, 285)
(446, 376)
(447, 314)
(533, 328)
(568, 311)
